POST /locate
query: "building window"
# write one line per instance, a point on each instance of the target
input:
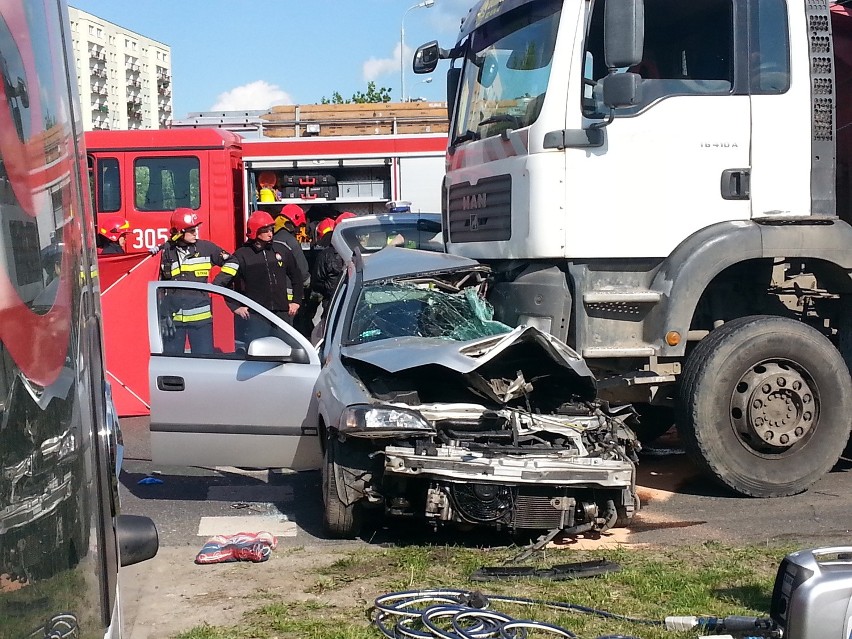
(91, 30)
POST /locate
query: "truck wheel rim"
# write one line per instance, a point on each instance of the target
(774, 407)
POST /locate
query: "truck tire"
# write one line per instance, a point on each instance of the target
(341, 521)
(764, 406)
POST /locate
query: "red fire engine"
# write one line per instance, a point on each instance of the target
(144, 175)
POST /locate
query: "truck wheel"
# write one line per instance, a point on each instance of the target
(764, 405)
(340, 519)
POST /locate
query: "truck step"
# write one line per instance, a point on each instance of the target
(631, 351)
(622, 296)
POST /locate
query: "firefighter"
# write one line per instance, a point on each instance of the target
(187, 314)
(328, 267)
(262, 271)
(290, 232)
(112, 234)
(289, 223)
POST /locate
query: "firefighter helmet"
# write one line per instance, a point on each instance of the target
(112, 226)
(326, 226)
(343, 216)
(257, 221)
(294, 213)
(182, 219)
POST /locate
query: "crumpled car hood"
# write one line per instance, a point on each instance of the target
(501, 367)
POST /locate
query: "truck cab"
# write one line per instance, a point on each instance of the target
(651, 180)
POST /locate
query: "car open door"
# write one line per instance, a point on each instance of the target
(242, 402)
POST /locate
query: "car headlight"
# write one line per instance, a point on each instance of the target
(382, 418)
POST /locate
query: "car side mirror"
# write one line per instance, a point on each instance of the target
(273, 349)
(137, 539)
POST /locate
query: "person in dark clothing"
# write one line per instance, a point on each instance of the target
(289, 224)
(112, 234)
(328, 267)
(263, 273)
(187, 315)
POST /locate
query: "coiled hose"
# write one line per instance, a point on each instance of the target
(414, 614)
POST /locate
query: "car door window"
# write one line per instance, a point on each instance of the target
(197, 323)
(335, 313)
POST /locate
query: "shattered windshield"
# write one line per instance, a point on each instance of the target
(401, 309)
(506, 70)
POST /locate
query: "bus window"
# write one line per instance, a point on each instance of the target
(164, 184)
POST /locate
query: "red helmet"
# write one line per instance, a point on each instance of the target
(343, 216)
(112, 226)
(257, 221)
(294, 213)
(182, 219)
(326, 226)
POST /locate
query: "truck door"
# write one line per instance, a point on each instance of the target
(677, 161)
(240, 403)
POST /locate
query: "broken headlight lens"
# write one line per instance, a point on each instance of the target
(382, 418)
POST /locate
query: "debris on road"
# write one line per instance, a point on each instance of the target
(245, 546)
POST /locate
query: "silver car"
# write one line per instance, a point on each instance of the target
(417, 404)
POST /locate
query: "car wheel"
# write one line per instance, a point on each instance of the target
(341, 520)
(764, 405)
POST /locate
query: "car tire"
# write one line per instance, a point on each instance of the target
(341, 520)
(763, 406)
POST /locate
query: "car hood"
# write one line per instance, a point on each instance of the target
(501, 368)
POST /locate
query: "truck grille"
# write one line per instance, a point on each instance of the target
(481, 213)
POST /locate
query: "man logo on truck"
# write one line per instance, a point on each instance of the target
(470, 202)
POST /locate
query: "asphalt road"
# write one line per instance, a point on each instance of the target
(678, 505)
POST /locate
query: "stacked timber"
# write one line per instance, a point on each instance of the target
(382, 118)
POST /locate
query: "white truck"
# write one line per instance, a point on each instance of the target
(665, 186)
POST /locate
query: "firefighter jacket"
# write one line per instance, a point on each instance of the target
(328, 270)
(189, 263)
(288, 241)
(263, 272)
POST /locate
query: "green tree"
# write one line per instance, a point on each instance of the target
(372, 95)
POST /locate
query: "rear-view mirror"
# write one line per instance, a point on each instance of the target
(426, 57)
(137, 539)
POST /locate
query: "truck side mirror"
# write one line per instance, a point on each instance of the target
(426, 57)
(624, 32)
(622, 90)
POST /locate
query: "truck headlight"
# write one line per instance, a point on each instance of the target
(382, 418)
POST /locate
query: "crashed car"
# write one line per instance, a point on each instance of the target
(417, 404)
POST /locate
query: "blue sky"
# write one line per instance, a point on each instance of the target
(229, 55)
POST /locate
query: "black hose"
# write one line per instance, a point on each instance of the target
(402, 615)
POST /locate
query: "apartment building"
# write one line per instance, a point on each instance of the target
(124, 78)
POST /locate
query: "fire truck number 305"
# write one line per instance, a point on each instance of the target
(149, 238)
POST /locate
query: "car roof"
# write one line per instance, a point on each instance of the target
(393, 261)
(345, 233)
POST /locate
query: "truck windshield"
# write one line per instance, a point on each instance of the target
(506, 71)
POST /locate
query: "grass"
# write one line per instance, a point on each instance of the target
(705, 579)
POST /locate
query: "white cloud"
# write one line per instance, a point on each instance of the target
(374, 68)
(256, 95)
(447, 16)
